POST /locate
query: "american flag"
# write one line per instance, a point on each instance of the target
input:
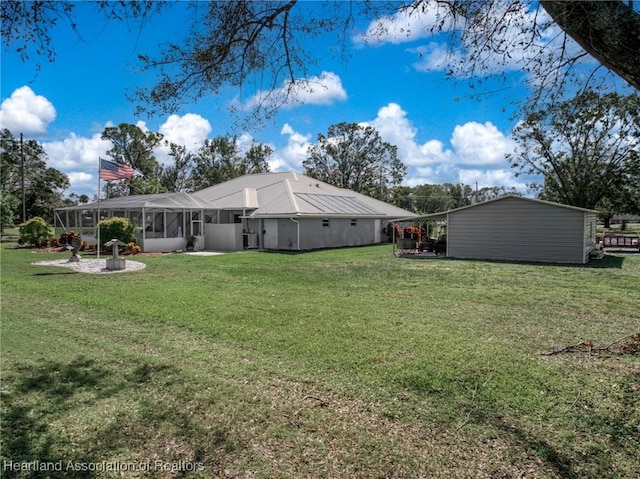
(110, 170)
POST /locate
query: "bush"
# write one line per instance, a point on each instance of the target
(133, 248)
(117, 228)
(66, 238)
(35, 232)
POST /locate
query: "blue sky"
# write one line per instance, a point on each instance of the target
(395, 83)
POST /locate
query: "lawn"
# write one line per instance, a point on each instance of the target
(333, 364)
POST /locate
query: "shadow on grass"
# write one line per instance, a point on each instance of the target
(86, 413)
(588, 441)
(55, 273)
(608, 261)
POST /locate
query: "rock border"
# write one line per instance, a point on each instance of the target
(93, 266)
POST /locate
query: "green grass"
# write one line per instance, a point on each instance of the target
(345, 363)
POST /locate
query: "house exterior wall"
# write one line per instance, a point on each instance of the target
(223, 237)
(163, 245)
(517, 230)
(287, 234)
(340, 232)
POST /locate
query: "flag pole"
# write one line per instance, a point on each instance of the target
(98, 218)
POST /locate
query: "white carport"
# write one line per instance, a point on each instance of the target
(515, 228)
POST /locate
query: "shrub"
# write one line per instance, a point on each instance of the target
(133, 248)
(65, 238)
(35, 232)
(117, 228)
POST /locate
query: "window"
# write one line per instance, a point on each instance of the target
(325, 223)
(354, 222)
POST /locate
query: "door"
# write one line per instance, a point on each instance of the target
(270, 232)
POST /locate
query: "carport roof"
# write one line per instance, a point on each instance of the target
(442, 215)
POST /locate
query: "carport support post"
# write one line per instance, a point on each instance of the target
(144, 228)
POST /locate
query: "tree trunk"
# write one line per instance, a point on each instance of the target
(607, 30)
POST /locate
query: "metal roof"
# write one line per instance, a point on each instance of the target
(343, 205)
(264, 195)
(443, 214)
(158, 200)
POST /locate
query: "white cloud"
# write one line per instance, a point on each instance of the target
(519, 36)
(84, 182)
(293, 154)
(78, 158)
(435, 57)
(325, 89)
(404, 26)
(189, 130)
(76, 152)
(143, 126)
(474, 144)
(25, 112)
(480, 144)
(394, 127)
(488, 178)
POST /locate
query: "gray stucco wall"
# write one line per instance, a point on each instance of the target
(340, 232)
(517, 230)
(282, 233)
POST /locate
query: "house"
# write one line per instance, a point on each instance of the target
(514, 228)
(273, 211)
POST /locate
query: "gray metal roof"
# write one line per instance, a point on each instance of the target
(158, 200)
(443, 214)
(264, 195)
(334, 204)
(293, 194)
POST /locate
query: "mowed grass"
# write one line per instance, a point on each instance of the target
(342, 364)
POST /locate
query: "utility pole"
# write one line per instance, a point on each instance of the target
(24, 206)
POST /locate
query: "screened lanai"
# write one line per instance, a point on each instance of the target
(162, 221)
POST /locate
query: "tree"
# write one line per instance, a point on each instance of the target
(177, 177)
(28, 24)
(355, 157)
(135, 148)
(426, 199)
(220, 160)
(585, 149)
(44, 186)
(234, 43)
(533, 37)
(608, 31)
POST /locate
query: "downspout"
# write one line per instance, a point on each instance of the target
(393, 239)
(298, 230)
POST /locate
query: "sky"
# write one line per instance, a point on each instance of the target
(445, 130)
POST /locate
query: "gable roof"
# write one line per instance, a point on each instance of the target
(443, 214)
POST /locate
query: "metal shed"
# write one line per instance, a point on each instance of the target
(515, 228)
